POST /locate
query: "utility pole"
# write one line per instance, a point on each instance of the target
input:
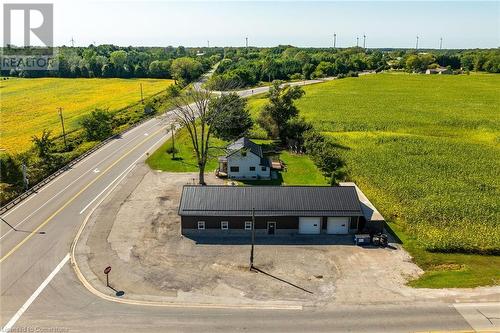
(253, 238)
(173, 141)
(364, 41)
(416, 45)
(142, 97)
(60, 109)
(441, 43)
(25, 178)
(357, 41)
(334, 40)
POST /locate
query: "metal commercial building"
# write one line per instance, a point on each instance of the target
(277, 209)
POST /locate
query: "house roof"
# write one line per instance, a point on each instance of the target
(245, 143)
(269, 201)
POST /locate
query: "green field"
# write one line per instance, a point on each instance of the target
(425, 149)
(28, 106)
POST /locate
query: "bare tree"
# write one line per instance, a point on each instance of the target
(192, 112)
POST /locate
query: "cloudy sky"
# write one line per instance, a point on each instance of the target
(463, 24)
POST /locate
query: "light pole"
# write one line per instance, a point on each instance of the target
(60, 109)
(357, 41)
(253, 238)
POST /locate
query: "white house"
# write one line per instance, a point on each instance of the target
(244, 160)
(439, 70)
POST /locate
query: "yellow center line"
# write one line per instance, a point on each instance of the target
(15, 248)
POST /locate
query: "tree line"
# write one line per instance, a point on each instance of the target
(110, 61)
(250, 66)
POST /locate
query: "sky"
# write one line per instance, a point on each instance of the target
(394, 24)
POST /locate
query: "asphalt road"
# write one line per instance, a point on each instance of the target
(40, 291)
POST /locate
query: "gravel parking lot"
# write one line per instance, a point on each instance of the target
(137, 231)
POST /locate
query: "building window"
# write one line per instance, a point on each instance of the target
(201, 225)
(224, 225)
(234, 169)
(264, 168)
(252, 168)
(248, 225)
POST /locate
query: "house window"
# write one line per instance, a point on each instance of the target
(264, 168)
(201, 225)
(224, 225)
(252, 168)
(248, 225)
(234, 169)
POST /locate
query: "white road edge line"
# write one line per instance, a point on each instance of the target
(32, 298)
(64, 189)
(124, 174)
(129, 168)
(75, 167)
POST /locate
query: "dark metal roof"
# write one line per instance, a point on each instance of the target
(247, 144)
(269, 201)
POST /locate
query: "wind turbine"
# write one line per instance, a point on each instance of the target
(72, 42)
(416, 45)
(364, 41)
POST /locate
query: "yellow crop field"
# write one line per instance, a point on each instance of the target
(28, 106)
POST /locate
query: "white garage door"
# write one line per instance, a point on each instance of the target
(309, 225)
(338, 225)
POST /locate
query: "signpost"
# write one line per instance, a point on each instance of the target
(118, 293)
(106, 271)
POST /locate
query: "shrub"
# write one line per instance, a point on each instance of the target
(98, 125)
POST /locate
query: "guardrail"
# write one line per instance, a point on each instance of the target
(11, 204)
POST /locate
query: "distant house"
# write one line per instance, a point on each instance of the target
(312, 210)
(244, 160)
(439, 70)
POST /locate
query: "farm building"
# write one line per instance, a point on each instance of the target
(244, 160)
(439, 70)
(209, 210)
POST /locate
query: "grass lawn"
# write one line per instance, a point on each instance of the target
(444, 270)
(185, 160)
(425, 151)
(300, 169)
(29, 105)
